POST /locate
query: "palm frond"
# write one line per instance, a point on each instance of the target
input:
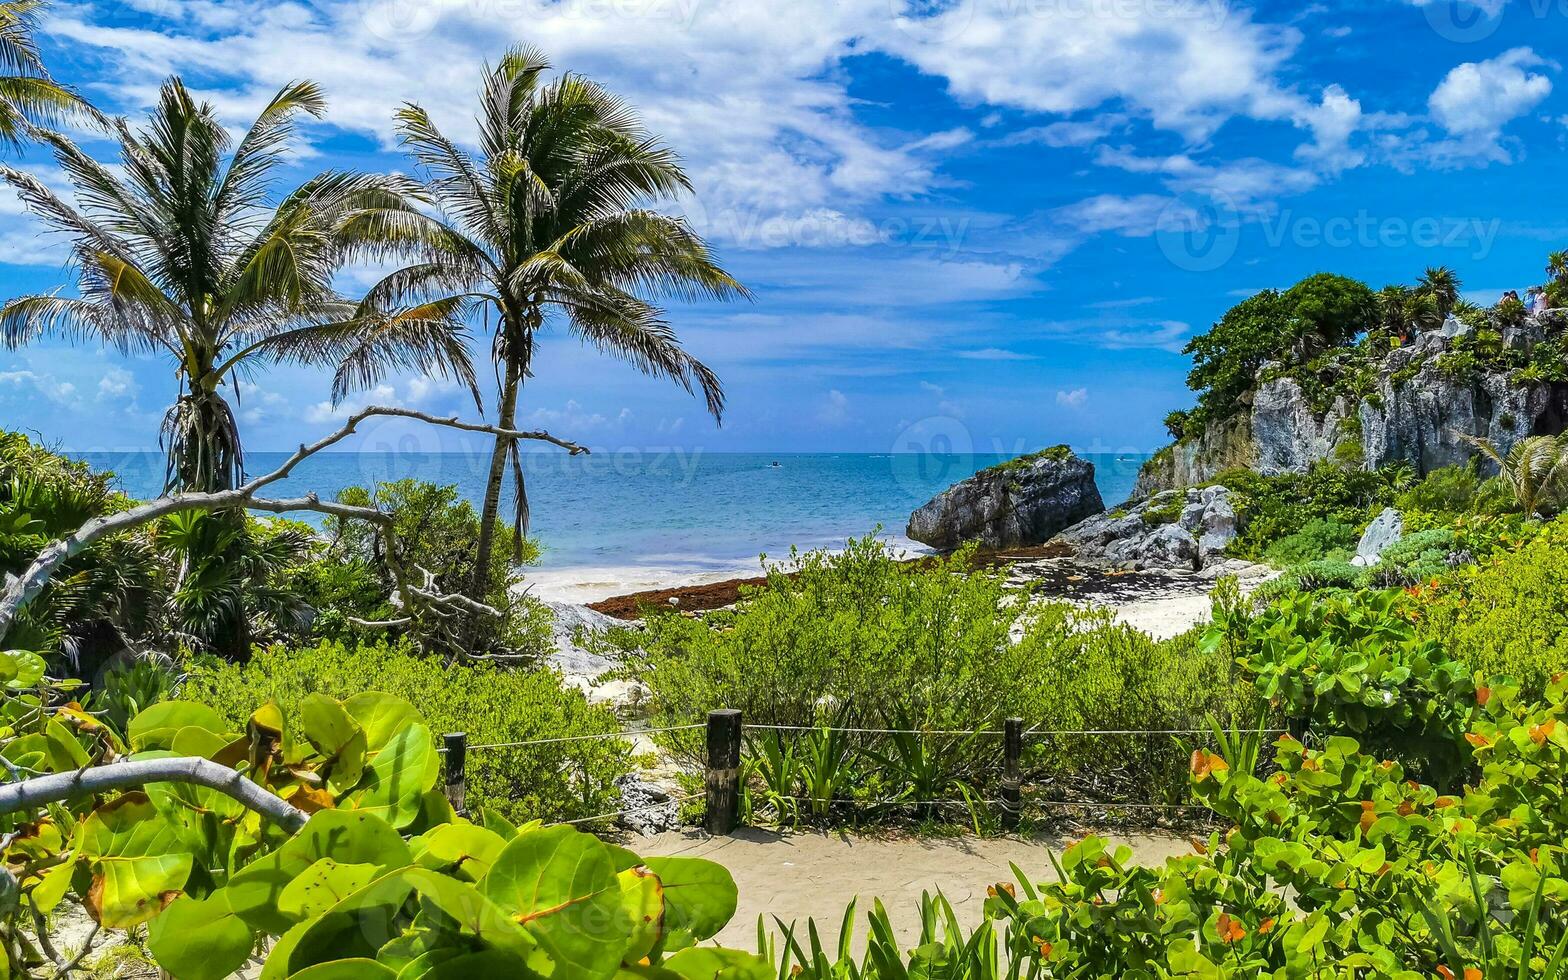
(246, 184)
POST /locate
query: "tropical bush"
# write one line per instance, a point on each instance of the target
(349, 579)
(381, 880)
(491, 704)
(860, 640)
(103, 595)
(1275, 507)
(1319, 538)
(1355, 664)
(1508, 615)
(1335, 863)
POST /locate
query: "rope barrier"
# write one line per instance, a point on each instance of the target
(579, 738)
(1027, 732)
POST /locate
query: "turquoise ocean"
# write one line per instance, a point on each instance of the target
(624, 521)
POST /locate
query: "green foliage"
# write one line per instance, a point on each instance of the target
(106, 589)
(1509, 615)
(384, 880)
(1275, 507)
(1334, 307)
(1356, 665)
(350, 578)
(491, 704)
(1177, 423)
(1165, 512)
(1455, 491)
(1319, 537)
(859, 640)
(1054, 453)
(1226, 359)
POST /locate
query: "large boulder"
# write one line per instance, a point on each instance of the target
(1386, 528)
(1023, 501)
(1174, 530)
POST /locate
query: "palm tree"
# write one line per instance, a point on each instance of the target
(28, 96)
(1533, 469)
(188, 254)
(1440, 283)
(549, 224)
(190, 257)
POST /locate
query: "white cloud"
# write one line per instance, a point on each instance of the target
(1477, 99)
(1072, 399)
(834, 410)
(994, 354)
(1333, 121)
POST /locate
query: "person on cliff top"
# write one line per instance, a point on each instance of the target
(1535, 300)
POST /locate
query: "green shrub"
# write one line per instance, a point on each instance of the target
(1318, 538)
(1355, 664)
(1509, 616)
(491, 704)
(859, 640)
(349, 579)
(1275, 507)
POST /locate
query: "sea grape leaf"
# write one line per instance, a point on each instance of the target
(561, 885)
(347, 837)
(356, 927)
(642, 895)
(475, 913)
(323, 885)
(713, 963)
(380, 716)
(699, 899)
(135, 858)
(155, 727)
(358, 968)
(21, 668)
(398, 776)
(330, 730)
(459, 849)
(200, 938)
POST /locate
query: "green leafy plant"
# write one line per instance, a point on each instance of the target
(566, 780)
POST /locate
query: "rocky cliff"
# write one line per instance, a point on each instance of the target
(1416, 405)
(1021, 502)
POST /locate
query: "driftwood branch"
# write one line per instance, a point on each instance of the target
(56, 788)
(22, 589)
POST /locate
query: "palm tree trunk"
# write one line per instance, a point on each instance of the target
(488, 515)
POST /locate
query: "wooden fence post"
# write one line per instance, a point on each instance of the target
(723, 779)
(1012, 749)
(455, 766)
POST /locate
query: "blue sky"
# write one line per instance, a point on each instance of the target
(989, 224)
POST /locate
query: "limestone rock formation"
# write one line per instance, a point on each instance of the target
(1021, 502)
(1424, 399)
(1178, 530)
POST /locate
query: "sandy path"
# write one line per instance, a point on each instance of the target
(796, 876)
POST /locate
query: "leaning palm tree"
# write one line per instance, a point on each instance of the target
(1440, 283)
(549, 224)
(28, 96)
(188, 254)
(1534, 470)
